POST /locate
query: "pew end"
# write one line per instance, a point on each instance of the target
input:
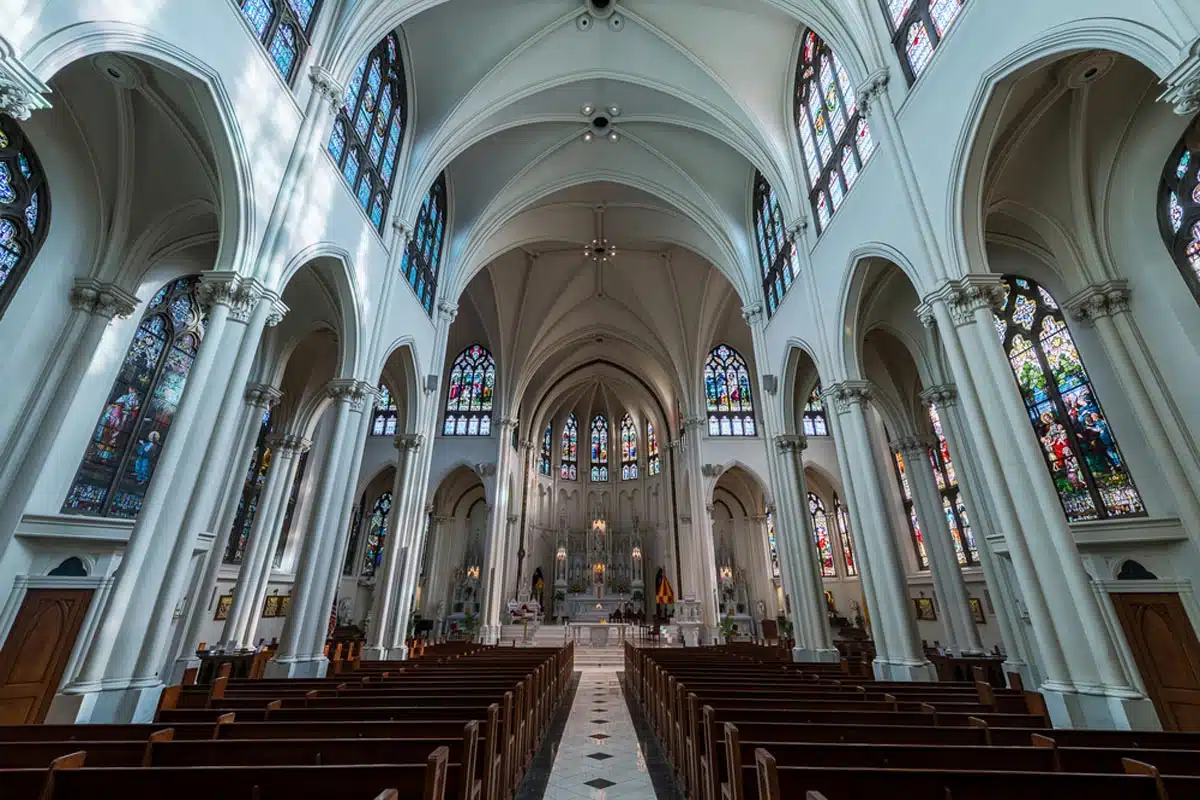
(165, 735)
(1046, 743)
(435, 773)
(70, 761)
(976, 722)
(169, 699)
(768, 775)
(1134, 767)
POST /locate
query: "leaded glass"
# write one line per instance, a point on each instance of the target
(469, 393)
(119, 461)
(570, 449)
(377, 530)
(820, 532)
(252, 486)
(919, 47)
(1081, 451)
(423, 255)
(918, 27)
(284, 50)
(772, 544)
(776, 248)
(545, 456)
(910, 510)
(653, 460)
(23, 200)
(285, 30)
(599, 460)
(383, 421)
(843, 523)
(944, 12)
(727, 393)
(1179, 213)
(815, 422)
(258, 13)
(356, 523)
(629, 454)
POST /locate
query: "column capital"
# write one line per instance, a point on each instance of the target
(845, 394)
(248, 294)
(260, 395)
(507, 423)
(798, 226)
(101, 299)
(290, 444)
(912, 447)
(964, 297)
(869, 90)
(442, 519)
(528, 445)
(1183, 83)
(21, 91)
(486, 470)
(356, 392)
(761, 519)
(326, 85)
(1099, 300)
(697, 421)
(752, 313)
(447, 310)
(943, 396)
(220, 288)
(791, 442)
(711, 470)
(408, 441)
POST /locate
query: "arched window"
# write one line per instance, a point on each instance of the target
(918, 26)
(377, 530)
(284, 28)
(24, 208)
(132, 430)
(356, 523)
(1179, 209)
(727, 392)
(653, 460)
(369, 127)
(424, 253)
(290, 512)
(820, 529)
(835, 139)
(599, 448)
(1081, 452)
(772, 544)
(545, 463)
(384, 421)
(570, 449)
(910, 511)
(952, 503)
(629, 454)
(815, 422)
(843, 525)
(252, 487)
(777, 254)
(469, 396)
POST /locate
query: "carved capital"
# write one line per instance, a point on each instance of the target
(869, 90)
(506, 424)
(711, 470)
(486, 470)
(17, 101)
(262, 396)
(944, 396)
(752, 313)
(220, 288)
(102, 299)
(791, 442)
(913, 448)
(798, 227)
(447, 311)
(846, 394)
(685, 519)
(1183, 83)
(408, 441)
(356, 393)
(326, 85)
(290, 445)
(1099, 300)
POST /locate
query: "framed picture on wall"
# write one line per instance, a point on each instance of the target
(977, 610)
(271, 606)
(285, 604)
(925, 610)
(223, 604)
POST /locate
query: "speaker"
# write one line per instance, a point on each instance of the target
(431, 383)
(771, 383)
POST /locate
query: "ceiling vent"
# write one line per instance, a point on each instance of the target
(600, 11)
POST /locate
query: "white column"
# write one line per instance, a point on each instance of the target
(493, 565)
(903, 658)
(961, 633)
(758, 529)
(700, 558)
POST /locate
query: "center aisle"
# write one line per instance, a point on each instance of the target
(599, 757)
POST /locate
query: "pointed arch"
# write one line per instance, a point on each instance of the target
(284, 28)
(815, 421)
(728, 398)
(599, 459)
(629, 449)
(469, 392)
(24, 207)
(842, 518)
(377, 531)
(423, 256)
(570, 448)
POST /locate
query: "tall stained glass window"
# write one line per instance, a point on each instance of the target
(284, 28)
(843, 526)
(599, 460)
(653, 459)
(918, 27)
(910, 511)
(953, 506)
(815, 421)
(772, 544)
(834, 138)
(132, 430)
(570, 449)
(369, 127)
(1179, 207)
(424, 253)
(469, 395)
(727, 393)
(377, 530)
(356, 523)
(290, 512)
(629, 453)
(383, 423)
(24, 208)
(777, 255)
(256, 476)
(1081, 451)
(545, 458)
(820, 529)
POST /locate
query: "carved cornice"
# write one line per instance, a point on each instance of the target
(21, 91)
(870, 88)
(325, 84)
(1183, 83)
(290, 444)
(408, 441)
(791, 442)
(1099, 300)
(102, 299)
(913, 448)
(944, 396)
(845, 394)
(260, 395)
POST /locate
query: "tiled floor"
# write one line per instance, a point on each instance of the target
(599, 757)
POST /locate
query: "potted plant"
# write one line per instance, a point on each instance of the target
(470, 624)
(728, 627)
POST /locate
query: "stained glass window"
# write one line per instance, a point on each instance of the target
(910, 511)
(24, 208)
(290, 512)
(383, 423)
(952, 504)
(776, 249)
(424, 253)
(132, 430)
(284, 28)
(356, 523)
(918, 27)
(653, 460)
(629, 453)
(377, 530)
(256, 476)
(1179, 217)
(820, 529)
(843, 525)
(469, 395)
(727, 392)
(1081, 452)
(829, 122)
(772, 544)
(570, 449)
(370, 126)
(599, 459)
(815, 422)
(545, 458)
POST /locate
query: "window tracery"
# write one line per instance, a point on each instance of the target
(653, 460)
(284, 28)
(599, 460)
(727, 393)
(469, 394)
(820, 529)
(953, 507)
(356, 523)
(918, 27)
(544, 458)
(424, 254)
(910, 510)
(252, 486)
(290, 512)
(383, 422)
(843, 524)
(570, 449)
(777, 255)
(629, 454)
(128, 439)
(24, 207)
(815, 421)
(377, 531)
(1088, 470)
(1179, 210)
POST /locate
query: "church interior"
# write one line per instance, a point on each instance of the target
(505, 399)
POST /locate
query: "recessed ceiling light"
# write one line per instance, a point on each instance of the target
(588, 109)
(614, 110)
(613, 136)
(587, 136)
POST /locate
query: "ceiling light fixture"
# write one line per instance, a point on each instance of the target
(588, 136)
(588, 109)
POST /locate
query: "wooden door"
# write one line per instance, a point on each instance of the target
(36, 651)
(1167, 653)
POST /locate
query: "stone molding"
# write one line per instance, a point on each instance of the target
(447, 311)
(752, 313)
(845, 394)
(943, 396)
(1098, 300)
(354, 391)
(408, 441)
(101, 299)
(325, 84)
(290, 444)
(963, 297)
(486, 470)
(912, 447)
(871, 87)
(1183, 83)
(711, 470)
(513, 519)
(260, 395)
(791, 442)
